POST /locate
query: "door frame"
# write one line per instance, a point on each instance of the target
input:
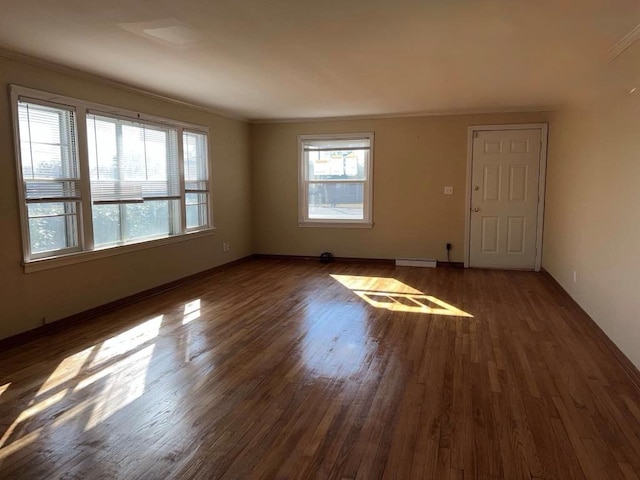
(544, 131)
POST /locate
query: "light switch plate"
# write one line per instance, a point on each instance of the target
(448, 190)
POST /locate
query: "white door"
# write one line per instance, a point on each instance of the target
(505, 175)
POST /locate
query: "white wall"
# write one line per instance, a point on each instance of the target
(592, 222)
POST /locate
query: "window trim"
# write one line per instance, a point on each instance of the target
(303, 183)
(86, 250)
(39, 264)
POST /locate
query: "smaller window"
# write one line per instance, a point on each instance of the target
(335, 180)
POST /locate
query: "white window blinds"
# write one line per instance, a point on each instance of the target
(131, 162)
(48, 151)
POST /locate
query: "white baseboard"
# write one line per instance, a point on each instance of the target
(416, 262)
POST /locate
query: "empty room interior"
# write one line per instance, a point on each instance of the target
(329, 240)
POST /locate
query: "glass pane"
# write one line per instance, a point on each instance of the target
(336, 201)
(46, 209)
(337, 165)
(146, 220)
(103, 151)
(196, 210)
(52, 226)
(193, 218)
(106, 225)
(195, 156)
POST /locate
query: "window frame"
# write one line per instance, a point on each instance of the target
(24, 204)
(304, 182)
(86, 249)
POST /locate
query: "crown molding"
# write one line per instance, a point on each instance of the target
(431, 113)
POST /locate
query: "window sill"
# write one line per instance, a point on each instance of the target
(330, 224)
(73, 258)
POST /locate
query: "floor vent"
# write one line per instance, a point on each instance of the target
(416, 262)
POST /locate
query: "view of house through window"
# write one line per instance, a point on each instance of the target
(142, 185)
(335, 179)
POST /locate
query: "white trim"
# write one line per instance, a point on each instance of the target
(424, 113)
(416, 262)
(85, 215)
(303, 194)
(544, 132)
(80, 257)
(335, 136)
(24, 230)
(335, 224)
(542, 180)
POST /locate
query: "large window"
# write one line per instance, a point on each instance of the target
(335, 180)
(91, 180)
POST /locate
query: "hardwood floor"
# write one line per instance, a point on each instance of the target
(294, 369)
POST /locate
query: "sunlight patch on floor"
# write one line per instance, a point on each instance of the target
(30, 437)
(120, 364)
(128, 340)
(30, 412)
(68, 369)
(18, 444)
(123, 386)
(375, 284)
(4, 387)
(191, 311)
(396, 296)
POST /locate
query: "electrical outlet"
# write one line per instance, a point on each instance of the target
(448, 246)
(226, 247)
(448, 190)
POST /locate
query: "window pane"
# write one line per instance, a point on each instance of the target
(106, 225)
(103, 151)
(195, 156)
(336, 201)
(146, 220)
(337, 165)
(196, 209)
(52, 226)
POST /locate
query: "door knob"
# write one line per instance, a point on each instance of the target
(475, 209)
(476, 188)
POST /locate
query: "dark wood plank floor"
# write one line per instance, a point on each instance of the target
(294, 369)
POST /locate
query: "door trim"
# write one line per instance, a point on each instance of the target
(544, 131)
